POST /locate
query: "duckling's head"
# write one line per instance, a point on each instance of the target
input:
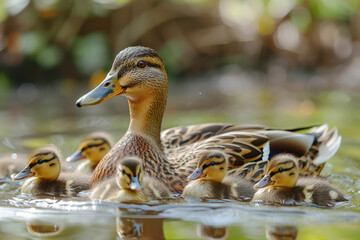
(43, 163)
(93, 147)
(137, 73)
(211, 167)
(281, 171)
(130, 174)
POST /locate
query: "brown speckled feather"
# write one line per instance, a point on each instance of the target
(153, 158)
(186, 135)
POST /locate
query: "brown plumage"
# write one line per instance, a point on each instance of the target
(282, 185)
(43, 166)
(180, 136)
(209, 180)
(310, 160)
(67, 184)
(139, 74)
(130, 185)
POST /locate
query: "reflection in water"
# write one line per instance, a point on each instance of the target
(139, 228)
(208, 232)
(39, 229)
(128, 228)
(281, 232)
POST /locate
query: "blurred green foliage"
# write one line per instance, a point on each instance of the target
(73, 39)
(90, 52)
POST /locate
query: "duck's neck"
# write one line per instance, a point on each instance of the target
(146, 116)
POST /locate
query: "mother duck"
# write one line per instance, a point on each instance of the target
(139, 74)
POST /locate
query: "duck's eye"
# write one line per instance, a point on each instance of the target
(123, 171)
(212, 163)
(90, 146)
(40, 161)
(106, 84)
(141, 64)
(280, 170)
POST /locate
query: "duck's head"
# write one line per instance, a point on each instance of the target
(43, 163)
(130, 174)
(93, 147)
(211, 167)
(281, 171)
(137, 72)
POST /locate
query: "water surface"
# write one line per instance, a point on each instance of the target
(32, 125)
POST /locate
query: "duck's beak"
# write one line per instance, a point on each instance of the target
(105, 90)
(135, 184)
(265, 181)
(75, 156)
(25, 173)
(196, 174)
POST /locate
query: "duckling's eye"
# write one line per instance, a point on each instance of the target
(141, 64)
(212, 163)
(123, 171)
(90, 146)
(40, 161)
(280, 170)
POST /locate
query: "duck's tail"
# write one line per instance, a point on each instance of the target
(325, 146)
(329, 143)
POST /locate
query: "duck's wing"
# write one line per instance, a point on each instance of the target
(186, 135)
(240, 147)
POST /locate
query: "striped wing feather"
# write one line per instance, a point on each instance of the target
(186, 135)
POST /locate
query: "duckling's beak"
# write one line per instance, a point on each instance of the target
(25, 173)
(265, 181)
(105, 90)
(196, 174)
(135, 184)
(75, 156)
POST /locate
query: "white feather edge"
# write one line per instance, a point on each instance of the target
(327, 151)
(266, 151)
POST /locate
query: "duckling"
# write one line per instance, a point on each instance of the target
(282, 185)
(93, 147)
(139, 74)
(43, 166)
(127, 185)
(209, 180)
(11, 163)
